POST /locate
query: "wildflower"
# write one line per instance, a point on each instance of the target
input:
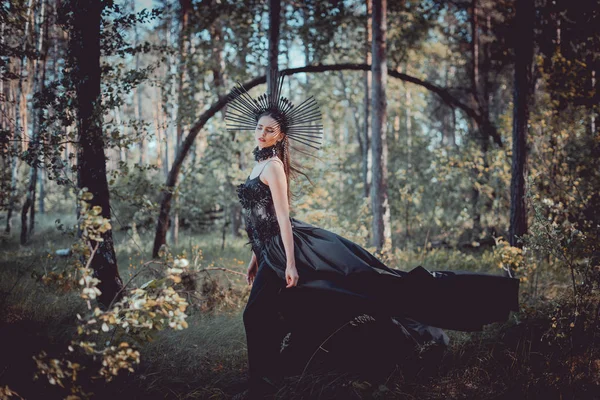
(174, 270)
(181, 263)
(548, 202)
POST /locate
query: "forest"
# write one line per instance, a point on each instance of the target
(457, 135)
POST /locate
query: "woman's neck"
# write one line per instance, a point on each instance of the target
(261, 154)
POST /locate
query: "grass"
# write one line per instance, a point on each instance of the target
(208, 360)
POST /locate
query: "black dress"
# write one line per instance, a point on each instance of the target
(340, 280)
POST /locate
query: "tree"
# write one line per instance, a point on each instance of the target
(184, 42)
(39, 76)
(274, 34)
(18, 118)
(524, 22)
(91, 160)
(365, 143)
(379, 196)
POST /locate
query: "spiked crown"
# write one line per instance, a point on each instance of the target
(302, 123)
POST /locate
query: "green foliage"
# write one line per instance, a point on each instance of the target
(135, 195)
(563, 191)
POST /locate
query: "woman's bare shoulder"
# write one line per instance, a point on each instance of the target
(277, 164)
(273, 170)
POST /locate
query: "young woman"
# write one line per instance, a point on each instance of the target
(307, 280)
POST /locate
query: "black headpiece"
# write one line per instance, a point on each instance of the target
(297, 122)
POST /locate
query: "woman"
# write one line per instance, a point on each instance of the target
(307, 280)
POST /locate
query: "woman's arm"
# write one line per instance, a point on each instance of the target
(252, 269)
(275, 177)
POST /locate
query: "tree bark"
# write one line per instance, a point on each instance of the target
(475, 49)
(166, 194)
(5, 99)
(164, 95)
(476, 133)
(156, 116)
(305, 12)
(408, 128)
(91, 160)
(7, 116)
(480, 89)
(367, 161)
(525, 14)
(137, 94)
(186, 7)
(39, 76)
(121, 150)
(379, 196)
(274, 35)
(18, 129)
(592, 109)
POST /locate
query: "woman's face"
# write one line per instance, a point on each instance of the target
(267, 132)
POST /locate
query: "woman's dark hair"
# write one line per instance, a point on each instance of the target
(292, 168)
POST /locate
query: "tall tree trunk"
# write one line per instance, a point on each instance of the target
(39, 74)
(592, 109)
(164, 138)
(367, 161)
(186, 8)
(475, 49)
(164, 106)
(91, 160)
(42, 189)
(19, 130)
(524, 21)
(33, 148)
(477, 131)
(42, 172)
(486, 83)
(5, 98)
(122, 152)
(137, 96)
(168, 137)
(480, 91)
(449, 127)
(408, 128)
(40, 116)
(171, 110)
(485, 100)
(305, 12)
(274, 35)
(379, 196)
(158, 133)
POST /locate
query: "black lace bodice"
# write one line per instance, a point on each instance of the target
(259, 212)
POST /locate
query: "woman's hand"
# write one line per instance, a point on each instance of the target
(252, 270)
(291, 275)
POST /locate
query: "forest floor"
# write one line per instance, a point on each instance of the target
(526, 357)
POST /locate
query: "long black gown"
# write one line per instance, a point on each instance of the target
(339, 280)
